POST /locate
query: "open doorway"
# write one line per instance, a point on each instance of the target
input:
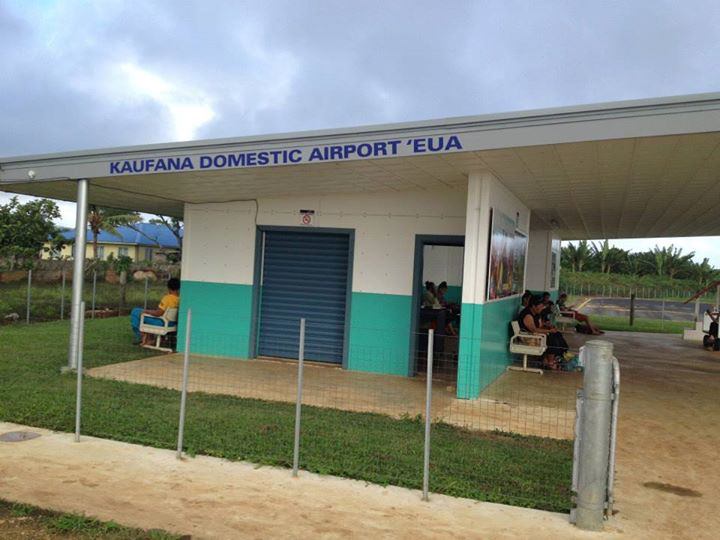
(439, 265)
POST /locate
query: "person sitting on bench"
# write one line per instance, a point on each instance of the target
(711, 339)
(530, 320)
(592, 329)
(170, 301)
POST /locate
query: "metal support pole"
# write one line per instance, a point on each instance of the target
(717, 298)
(183, 393)
(613, 436)
(94, 292)
(78, 271)
(29, 296)
(595, 435)
(632, 308)
(62, 296)
(78, 391)
(146, 293)
(298, 403)
(428, 415)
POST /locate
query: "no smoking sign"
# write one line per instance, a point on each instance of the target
(306, 217)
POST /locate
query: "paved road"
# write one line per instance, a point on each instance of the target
(644, 309)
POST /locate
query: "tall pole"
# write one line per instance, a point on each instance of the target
(78, 271)
(298, 401)
(595, 435)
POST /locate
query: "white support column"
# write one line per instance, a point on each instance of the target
(539, 275)
(483, 353)
(78, 271)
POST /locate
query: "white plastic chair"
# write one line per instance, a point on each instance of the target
(169, 326)
(563, 319)
(526, 344)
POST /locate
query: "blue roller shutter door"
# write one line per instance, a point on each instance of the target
(305, 274)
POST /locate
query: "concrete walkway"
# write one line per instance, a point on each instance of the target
(517, 402)
(213, 498)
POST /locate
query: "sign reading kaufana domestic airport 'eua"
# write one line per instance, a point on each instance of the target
(290, 156)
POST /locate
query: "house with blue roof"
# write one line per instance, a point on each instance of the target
(142, 242)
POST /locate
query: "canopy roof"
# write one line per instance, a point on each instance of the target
(645, 168)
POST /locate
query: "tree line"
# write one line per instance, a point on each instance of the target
(668, 262)
(27, 229)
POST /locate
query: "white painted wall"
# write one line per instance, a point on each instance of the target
(539, 262)
(443, 263)
(219, 242)
(485, 192)
(220, 238)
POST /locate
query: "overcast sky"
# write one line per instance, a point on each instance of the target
(87, 74)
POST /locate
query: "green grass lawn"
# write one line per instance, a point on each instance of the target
(640, 325)
(27, 521)
(46, 298)
(518, 470)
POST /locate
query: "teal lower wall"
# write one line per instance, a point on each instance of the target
(454, 294)
(484, 337)
(221, 318)
(379, 333)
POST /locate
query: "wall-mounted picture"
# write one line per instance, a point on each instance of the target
(506, 264)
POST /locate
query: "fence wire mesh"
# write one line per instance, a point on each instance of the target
(356, 423)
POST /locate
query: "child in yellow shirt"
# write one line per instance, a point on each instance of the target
(170, 301)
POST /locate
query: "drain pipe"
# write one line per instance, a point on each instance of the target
(595, 428)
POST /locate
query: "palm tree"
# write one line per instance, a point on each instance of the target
(575, 256)
(677, 262)
(704, 272)
(108, 219)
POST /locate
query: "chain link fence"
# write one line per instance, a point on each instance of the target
(511, 443)
(28, 297)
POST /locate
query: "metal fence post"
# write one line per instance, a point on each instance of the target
(613, 436)
(62, 296)
(146, 293)
(428, 415)
(298, 403)
(29, 296)
(183, 393)
(632, 308)
(94, 292)
(595, 436)
(79, 364)
(662, 316)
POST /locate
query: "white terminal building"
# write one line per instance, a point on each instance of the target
(344, 226)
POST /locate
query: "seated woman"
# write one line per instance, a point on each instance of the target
(429, 299)
(524, 301)
(530, 320)
(452, 308)
(592, 329)
(711, 339)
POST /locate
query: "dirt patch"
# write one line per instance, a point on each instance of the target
(213, 498)
(675, 490)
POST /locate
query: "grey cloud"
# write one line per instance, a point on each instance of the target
(283, 65)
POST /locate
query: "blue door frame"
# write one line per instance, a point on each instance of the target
(422, 240)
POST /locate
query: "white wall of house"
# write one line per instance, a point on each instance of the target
(219, 243)
(443, 263)
(544, 245)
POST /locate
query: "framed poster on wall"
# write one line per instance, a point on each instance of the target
(506, 257)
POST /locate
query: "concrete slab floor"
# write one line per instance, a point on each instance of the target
(523, 403)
